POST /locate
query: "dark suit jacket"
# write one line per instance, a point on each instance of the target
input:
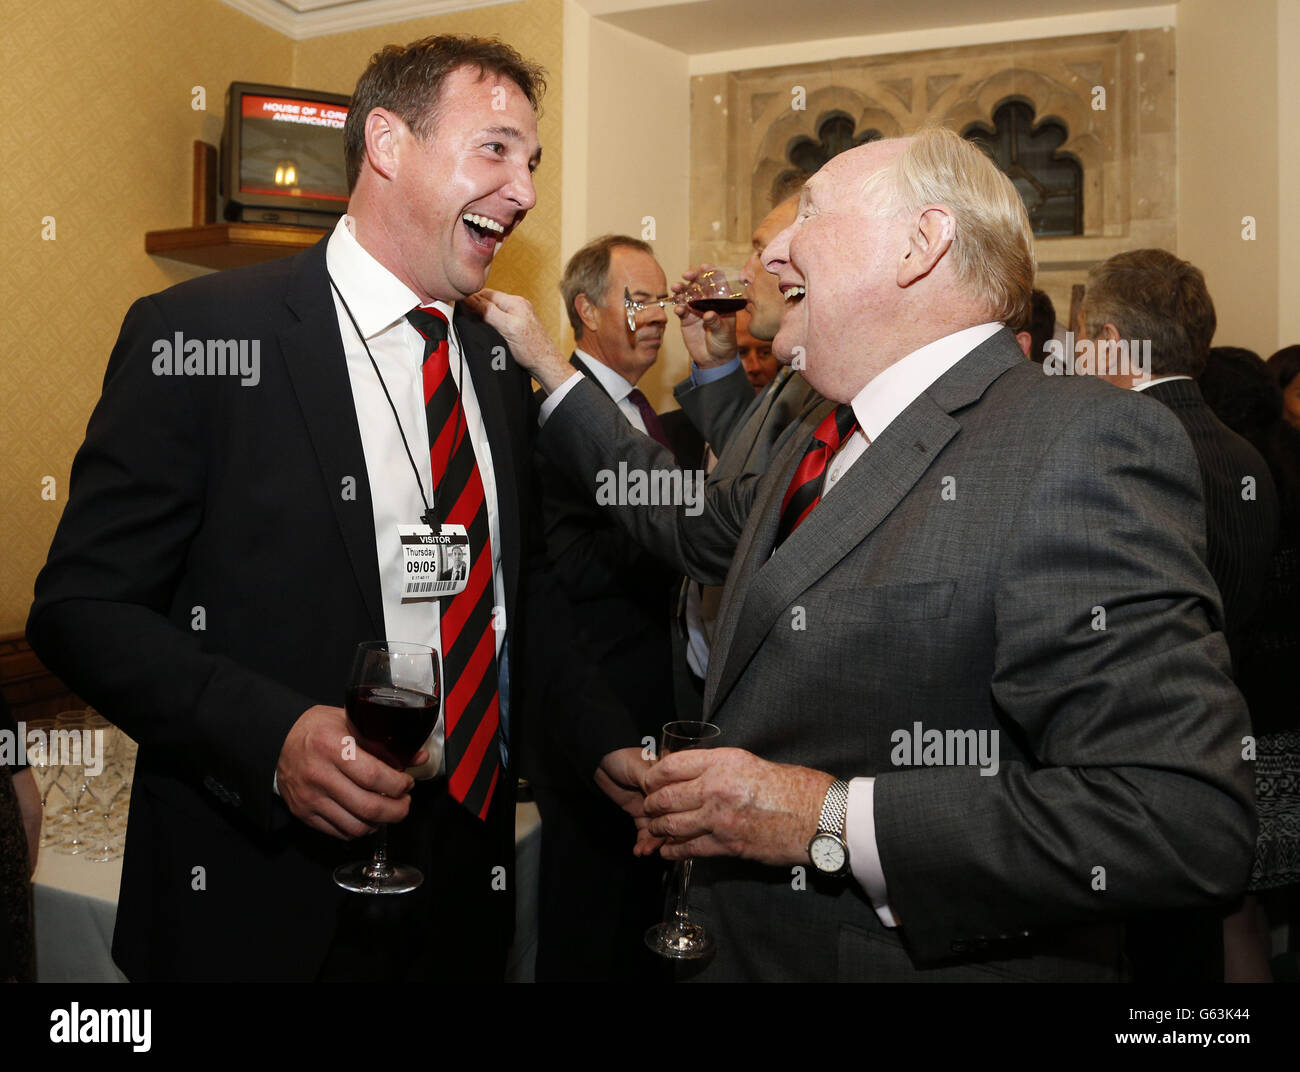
(952, 579)
(1241, 531)
(622, 595)
(211, 576)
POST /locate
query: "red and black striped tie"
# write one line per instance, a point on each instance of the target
(805, 490)
(471, 706)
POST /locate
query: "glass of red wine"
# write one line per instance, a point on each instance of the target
(678, 937)
(714, 290)
(393, 697)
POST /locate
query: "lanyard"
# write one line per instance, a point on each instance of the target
(430, 516)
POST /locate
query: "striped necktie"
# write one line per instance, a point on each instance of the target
(805, 490)
(469, 665)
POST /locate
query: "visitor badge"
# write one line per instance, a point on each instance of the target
(434, 564)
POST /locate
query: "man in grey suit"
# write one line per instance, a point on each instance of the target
(1152, 301)
(740, 425)
(976, 706)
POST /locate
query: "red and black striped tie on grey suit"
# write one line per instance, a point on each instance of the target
(805, 490)
(471, 706)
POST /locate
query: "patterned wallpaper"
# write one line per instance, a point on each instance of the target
(97, 132)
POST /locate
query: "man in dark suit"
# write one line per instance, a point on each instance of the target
(1149, 299)
(975, 703)
(622, 598)
(229, 541)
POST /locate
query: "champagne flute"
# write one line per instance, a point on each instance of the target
(393, 696)
(677, 937)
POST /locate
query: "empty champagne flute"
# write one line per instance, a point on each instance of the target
(677, 937)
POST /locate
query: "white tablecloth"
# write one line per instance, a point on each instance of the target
(76, 904)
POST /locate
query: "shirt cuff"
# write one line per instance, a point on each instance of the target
(556, 397)
(701, 376)
(864, 856)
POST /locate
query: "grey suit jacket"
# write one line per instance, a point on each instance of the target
(1016, 557)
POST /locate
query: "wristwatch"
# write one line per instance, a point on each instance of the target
(828, 850)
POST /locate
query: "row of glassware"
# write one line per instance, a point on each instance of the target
(83, 766)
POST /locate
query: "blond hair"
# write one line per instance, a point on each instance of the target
(993, 247)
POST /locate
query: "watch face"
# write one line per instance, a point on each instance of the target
(827, 853)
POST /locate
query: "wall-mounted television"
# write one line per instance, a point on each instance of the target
(282, 155)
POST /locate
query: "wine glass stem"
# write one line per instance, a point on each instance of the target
(379, 866)
(683, 882)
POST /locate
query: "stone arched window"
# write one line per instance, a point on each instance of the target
(1049, 182)
(835, 134)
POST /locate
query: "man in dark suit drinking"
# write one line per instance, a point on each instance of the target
(228, 544)
(975, 702)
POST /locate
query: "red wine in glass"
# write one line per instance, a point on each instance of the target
(722, 306)
(392, 698)
(394, 722)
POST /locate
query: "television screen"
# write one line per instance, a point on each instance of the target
(282, 155)
(292, 147)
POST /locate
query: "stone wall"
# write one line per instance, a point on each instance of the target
(742, 123)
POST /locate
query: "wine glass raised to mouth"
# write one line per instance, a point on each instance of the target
(715, 290)
(392, 698)
(678, 937)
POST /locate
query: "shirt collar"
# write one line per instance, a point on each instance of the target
(1144, 384)
(615, 386)
(376, 297)
(893, 390)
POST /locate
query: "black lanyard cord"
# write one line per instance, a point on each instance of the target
(429, 516)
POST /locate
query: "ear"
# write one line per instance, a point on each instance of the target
(930, 238)
(1110, 333)
(1026, 341)
(587, 312)
(383, 132)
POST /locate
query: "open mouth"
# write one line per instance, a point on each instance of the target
(485, 232)
(793, 294)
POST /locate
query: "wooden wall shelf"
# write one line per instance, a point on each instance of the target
(225, 245)
(228, 245)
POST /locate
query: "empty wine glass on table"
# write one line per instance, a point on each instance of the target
(393, 697)
(714, 290)
(46, 773)
(677, 937)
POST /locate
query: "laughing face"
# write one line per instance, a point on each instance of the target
(837, 267)
(451, 200)
(765, 303)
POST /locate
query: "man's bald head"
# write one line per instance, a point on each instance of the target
(896, 244)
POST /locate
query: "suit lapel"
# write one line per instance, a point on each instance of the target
(318, 370)
(769, 582)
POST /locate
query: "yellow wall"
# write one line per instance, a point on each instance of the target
(1228, 161)
(97, 131)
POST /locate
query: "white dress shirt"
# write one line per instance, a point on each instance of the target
(380, 301)
(875, 407)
